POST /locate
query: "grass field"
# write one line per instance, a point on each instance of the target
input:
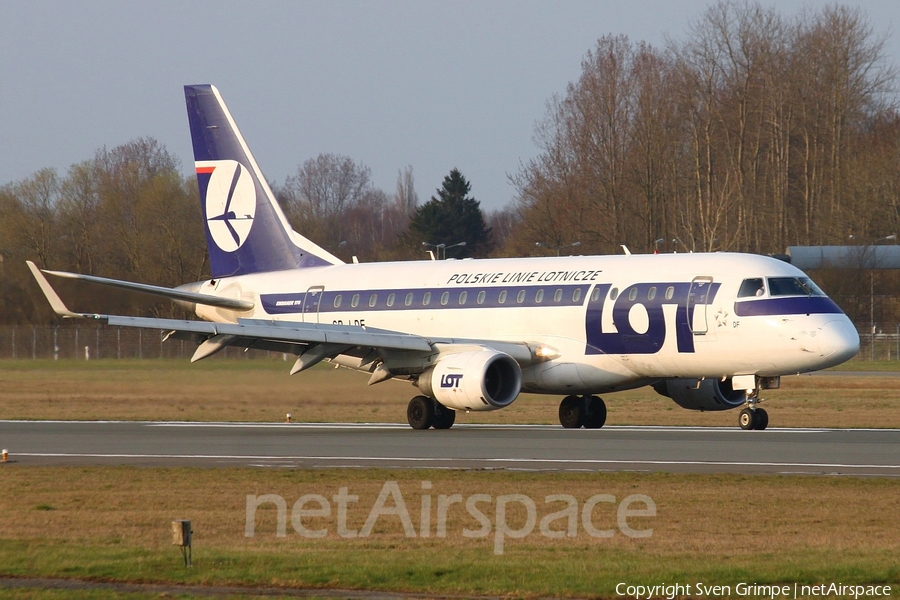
(262, 390)
(112, 524)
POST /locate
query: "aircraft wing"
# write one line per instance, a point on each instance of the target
(290, 333)
(311, 342)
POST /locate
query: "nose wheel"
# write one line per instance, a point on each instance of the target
(753, 418)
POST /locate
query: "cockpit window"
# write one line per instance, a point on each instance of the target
(793, 286)
(751, 288)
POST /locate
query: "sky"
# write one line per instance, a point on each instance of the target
(433, 85)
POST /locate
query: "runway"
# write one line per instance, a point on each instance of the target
(868, 452)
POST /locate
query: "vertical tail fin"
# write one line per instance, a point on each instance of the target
(246, 230)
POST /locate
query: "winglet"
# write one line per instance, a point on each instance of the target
(56, 303)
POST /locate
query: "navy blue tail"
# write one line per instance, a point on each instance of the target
(246, 230)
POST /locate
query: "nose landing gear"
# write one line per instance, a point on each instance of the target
(753, 417)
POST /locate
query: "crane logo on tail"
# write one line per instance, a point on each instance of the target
(230, 202)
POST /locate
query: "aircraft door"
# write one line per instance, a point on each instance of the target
(311, 302)
(698, 303)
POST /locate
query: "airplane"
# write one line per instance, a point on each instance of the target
(707, 330)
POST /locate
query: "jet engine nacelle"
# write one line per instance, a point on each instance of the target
(706, 394)
(481, 380)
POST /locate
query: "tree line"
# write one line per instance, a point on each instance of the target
(129, 214)
(753, 133)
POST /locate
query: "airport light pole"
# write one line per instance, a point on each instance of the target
(688, 250)
(557, 248)
(434, 255)
(441, 249)
(457, 245)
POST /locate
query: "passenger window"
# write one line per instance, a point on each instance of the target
(751, 288)
(445, 298)
(502, 298)
(613, 293)
(632, 295)
(426, 299)
(539, 296)
(651, 293)
(576, 295)
(354, 302)
(462, 297)
(595, 295)
(409, 299)
(557, 296)
(390, 300)
(480, 299)
(520, 297)
(373, 299)
(337, 301)
(670, 292)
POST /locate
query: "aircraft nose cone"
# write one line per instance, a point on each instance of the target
(838, 342)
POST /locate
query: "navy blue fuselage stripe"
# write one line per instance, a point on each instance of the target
(787, 306)
(291, 303)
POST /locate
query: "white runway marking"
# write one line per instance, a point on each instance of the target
(500, 446)
(403, 426)
(461, 460)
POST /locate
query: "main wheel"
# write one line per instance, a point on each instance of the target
(420, 412)
(596, 413)
(571, 412)
(443, 416)
(747, 419)
(762, 419)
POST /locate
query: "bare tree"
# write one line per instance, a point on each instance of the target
(80, 205)
(407, 198)
(35, 214)
(320, 193)
(752, 133)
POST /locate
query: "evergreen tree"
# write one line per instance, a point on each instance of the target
(450, 218)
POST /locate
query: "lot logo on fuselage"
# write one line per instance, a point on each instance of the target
(636, 319)
(230, 203)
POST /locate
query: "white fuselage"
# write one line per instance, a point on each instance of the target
(616, 321)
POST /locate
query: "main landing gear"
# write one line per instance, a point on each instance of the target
(753, 417)
(424, 412)
(584, 411)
